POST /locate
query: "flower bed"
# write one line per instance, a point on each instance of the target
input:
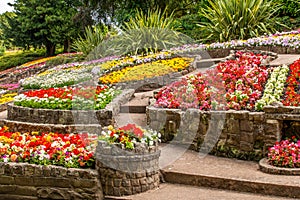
(288, 40)
(73, 73)
(273, 90)
(285, 153)
(77, 98)
(68, 150)
(148, 70)
(291, 96)
(283, 158)
(233, 84)
(57, 117)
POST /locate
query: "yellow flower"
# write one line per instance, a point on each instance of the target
(148, 70)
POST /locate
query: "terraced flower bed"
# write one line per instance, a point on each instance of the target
(222, 109)
(67, 98)
(148, 70)
(281, 43)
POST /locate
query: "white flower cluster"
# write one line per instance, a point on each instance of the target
(274, 87)
(59, 79)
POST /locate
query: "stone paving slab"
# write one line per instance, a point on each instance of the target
(3, 114)
(286, 59)
(136, 118)
(169, 191)
(195, 169)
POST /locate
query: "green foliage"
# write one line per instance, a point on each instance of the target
(93, 37)
(289, 8)
(42, 23)
(2, 49)
(187, 25)
(9, 61)
(151, 19)
(149, 32)
(237, 19)
(59, 60)
(290, 23)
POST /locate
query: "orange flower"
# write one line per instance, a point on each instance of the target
(13, 157)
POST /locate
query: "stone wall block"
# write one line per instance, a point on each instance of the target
(247, 137)
(233, 126)
(246, 125)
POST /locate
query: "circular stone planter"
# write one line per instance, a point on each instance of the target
(264, 166)
(123, 172)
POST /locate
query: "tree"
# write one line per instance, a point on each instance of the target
(43, 23)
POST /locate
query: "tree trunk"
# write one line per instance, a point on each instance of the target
(50, 49)
(67, 46)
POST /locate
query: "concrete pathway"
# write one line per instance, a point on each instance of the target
(168, 191)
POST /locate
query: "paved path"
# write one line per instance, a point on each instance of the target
(286, 59)
(181, 192)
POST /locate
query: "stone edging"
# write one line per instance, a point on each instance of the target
(265, 167)
(103, 117)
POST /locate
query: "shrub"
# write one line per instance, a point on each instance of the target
(237, 19)
(8, 61)
(93, 36)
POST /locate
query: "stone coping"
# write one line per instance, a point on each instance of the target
(264, 166)
(219, 53)
(16, 126)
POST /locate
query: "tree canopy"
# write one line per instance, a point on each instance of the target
(42, 23)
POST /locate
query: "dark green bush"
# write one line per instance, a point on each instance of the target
(9, 61)
(59, 60)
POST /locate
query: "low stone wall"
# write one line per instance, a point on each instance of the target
(241, 134)
(103, 117)
(28, 181)
(14, 78)
(124, 172)
(24, 127)
(264, 166)
(220, 53)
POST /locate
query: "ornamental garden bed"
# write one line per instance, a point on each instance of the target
(281, 43)
(239, 108)
(127, 160)
(34, 117)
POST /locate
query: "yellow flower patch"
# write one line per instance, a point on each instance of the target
(7, 98)
(149, 70)
(28, 64)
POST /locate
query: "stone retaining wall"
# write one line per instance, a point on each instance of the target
(241, 134)
(28, 181)
(14, 78)
(123, 172)
(220, 53)
(24, 127)
(103, 117)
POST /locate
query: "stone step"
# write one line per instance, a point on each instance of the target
(229, 174)
(131, 118)
(286, 59)
(206, 63)
(179, 192)
(133, 109)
